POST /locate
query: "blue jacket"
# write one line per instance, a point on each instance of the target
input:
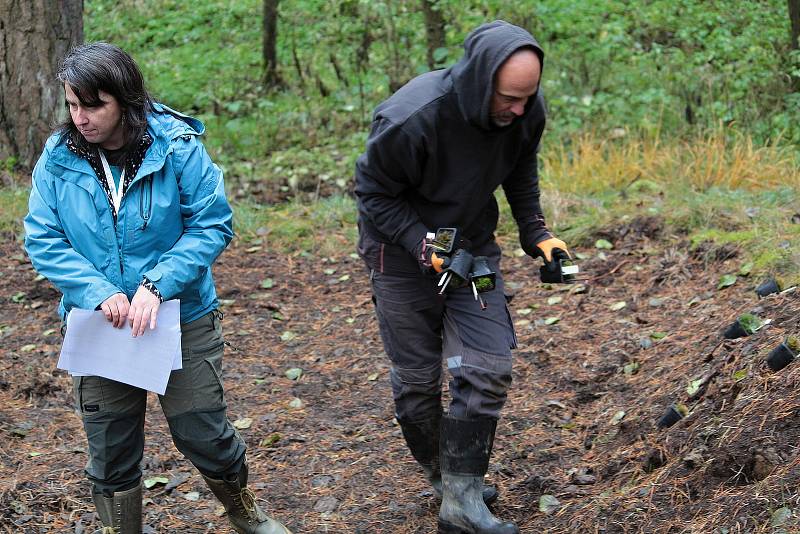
(173, 221)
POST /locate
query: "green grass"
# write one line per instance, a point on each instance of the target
(13, 207)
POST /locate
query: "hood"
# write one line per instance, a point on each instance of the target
(485, 49)
(172, 124)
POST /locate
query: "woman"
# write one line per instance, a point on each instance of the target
(127, 210)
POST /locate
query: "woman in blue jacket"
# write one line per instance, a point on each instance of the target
(127, 210)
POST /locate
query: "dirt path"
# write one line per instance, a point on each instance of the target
(334, 461)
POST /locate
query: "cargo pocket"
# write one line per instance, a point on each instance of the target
(207, 375)
(88, 392)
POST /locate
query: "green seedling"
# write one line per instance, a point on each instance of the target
(750, 322)
(793, 342)
(483, 284)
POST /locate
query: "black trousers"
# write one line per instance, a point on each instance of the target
(421, 328)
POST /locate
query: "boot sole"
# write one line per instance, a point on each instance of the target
(449, 528)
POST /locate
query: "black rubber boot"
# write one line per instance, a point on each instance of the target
(122, 513)
(245, 515)
(422, 437)
(466, 445)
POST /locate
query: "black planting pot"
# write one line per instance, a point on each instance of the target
(780, 357)
(670, 417)
(734, 330)
(768, 287)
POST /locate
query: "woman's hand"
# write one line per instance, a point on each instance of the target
(144, 309)
(116, 308)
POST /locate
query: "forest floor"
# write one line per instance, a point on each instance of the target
(579, 425)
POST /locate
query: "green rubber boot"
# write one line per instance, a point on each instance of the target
(122, 513)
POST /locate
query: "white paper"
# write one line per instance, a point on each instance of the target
(92, 346)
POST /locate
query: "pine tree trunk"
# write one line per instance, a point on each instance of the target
(34, 37)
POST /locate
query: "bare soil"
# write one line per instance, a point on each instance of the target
(577, 426)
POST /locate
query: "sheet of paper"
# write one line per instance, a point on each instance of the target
(92, 346)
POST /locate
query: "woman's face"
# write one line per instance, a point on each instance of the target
(99, 125)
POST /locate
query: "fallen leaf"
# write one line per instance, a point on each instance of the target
(329, 271)
(243, 423)
(694, 387)
(551, 320)
(49, 332)
(288, 335)
(745, 269)
(631, 368)
(726, 280)
(554, 300)
(294, 373)
(780, 516)
(28, 348)
(658, 335)
(150, 482)
(373, 377)
(618, 417)
(603, 244)
(192, 496)
(267, 283)
(548, 504)
(617, 306)
(272, 440)
(741, 374)
(295, 403)
(344, 278)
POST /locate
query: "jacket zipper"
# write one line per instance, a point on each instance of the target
(146, 212)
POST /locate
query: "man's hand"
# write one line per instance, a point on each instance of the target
(116, 308)
(428, 259)
(551, 250)
(143, 311)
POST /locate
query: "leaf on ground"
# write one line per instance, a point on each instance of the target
(35, 454)
(741, 374)
(618, 417)
(150, 482)
(603, 244)
(658, 335)
(745, 269)
(548, 504)
(295, 403)
(631, 368)
(18, 297)
(344, 278)
(28, 348)
(329, 271)
(694, 387)
(578, 289)
(551, 320)
(49, 332)
(192, 496)
(726, 280)
(780, 516)
(582, 256)
(272, 440)
(617, 306)
(277, 316)
(253, 250)
(373, 377)
(554, 300)
(288, 335)
(294, 373)
(267, 283)
(226, 302)
(243, 423)
(524, 311)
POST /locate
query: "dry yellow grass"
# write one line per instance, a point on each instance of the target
(592, 163)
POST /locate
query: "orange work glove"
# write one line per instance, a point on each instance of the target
(549, 245)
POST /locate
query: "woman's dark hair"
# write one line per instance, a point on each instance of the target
(100, 66)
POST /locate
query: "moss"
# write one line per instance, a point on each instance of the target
(483, 283)
(793, 343)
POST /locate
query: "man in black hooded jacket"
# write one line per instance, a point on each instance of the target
(438, 149)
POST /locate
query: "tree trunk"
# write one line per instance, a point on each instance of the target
(270, 38)
(34, 37)
(794, 18)
(434, 29)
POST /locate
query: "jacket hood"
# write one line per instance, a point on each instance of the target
(485, 49)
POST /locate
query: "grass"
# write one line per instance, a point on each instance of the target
(705, 191)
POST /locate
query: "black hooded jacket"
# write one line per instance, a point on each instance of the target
(434, 158)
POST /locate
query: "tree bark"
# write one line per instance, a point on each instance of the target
(434, 29)
(34, 37)
(269, 48)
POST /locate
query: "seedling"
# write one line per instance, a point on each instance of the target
(745, 325)
(674, 413)
(444, 240)
(456, 274)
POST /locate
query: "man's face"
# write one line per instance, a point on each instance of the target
(515, 82)
(100, 125)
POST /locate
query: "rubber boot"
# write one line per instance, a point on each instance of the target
(422, 437)
(245, 515)
(122, 513)
(466, 445)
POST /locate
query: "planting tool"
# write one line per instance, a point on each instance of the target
(461, 268)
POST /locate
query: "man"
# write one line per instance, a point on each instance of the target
(438, 149)
(127, 210)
